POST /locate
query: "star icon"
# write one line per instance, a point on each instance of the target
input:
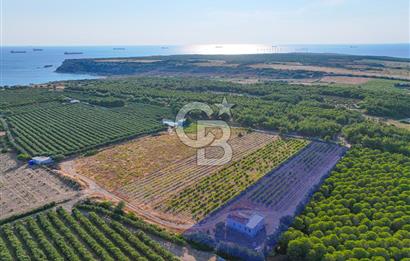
(224, 107)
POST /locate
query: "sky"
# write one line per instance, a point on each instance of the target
(182, 22)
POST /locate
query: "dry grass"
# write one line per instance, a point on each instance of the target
(344, 80)
(399, 124)
(119, 165)
(218, 63)
(399, 74)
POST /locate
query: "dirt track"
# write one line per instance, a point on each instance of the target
(94, 190)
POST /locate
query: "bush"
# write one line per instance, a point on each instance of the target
(58, 157)
(90, 153)
(23, 156)
(235, 252)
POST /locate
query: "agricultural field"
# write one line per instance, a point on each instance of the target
(23, 96)
(93, 233)
(297, 176)
(115, 167)
(151, 191)
(216, 189)
(362, 211)
(23, 189)
(64, 129)
(278, 195)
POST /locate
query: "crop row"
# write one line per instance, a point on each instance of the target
(68, 129)
(216, 189)
(304, 170)
(162, 184)
(57, 235)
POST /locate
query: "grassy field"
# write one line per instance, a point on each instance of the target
(57, 128)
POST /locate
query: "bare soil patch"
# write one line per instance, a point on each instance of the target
(23, 189)
(216, 63)
(344, 80)
(117, 166)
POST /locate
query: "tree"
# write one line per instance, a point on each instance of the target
(299, 248)
(119, 209)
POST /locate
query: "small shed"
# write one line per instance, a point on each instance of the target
(40, 161)
(173, 124)
(249, 224)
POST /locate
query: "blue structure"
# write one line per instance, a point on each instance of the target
(40, 161)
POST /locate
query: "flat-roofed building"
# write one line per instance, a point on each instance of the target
(249, 224)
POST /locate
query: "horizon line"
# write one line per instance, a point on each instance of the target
(290, 44)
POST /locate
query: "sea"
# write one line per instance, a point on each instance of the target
(26, 65)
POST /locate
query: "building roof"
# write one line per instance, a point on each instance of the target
(248, 220)
(41, 158)
(172, 123)
(254, 220)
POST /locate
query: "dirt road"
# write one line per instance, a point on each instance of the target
(94, 190)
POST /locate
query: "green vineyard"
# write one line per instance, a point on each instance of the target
(57, 235)
(22, 96)
(215, 190)
(55, 128)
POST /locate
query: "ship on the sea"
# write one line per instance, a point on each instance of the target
(13, 51)
(118, 48)
(73, 53)
(48, 66)
(37, 49)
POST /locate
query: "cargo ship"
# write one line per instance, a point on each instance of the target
(118, 48)
(73, 53)
(12, 51)
(37, 49)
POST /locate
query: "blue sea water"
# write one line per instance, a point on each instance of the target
(29, 67)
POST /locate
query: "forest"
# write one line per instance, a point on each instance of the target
(361, 211)
(316, 111)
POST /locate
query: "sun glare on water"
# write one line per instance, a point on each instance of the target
(231, 49)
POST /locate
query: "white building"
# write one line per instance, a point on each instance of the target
(173, 124)
(249, 224)
(40, 160)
